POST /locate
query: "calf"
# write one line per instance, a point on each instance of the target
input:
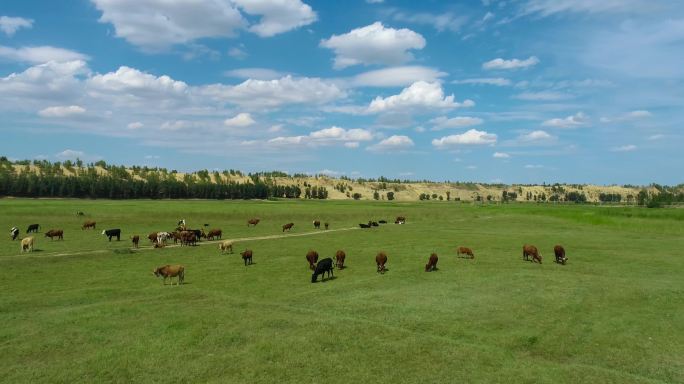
(226, 245)
(324, 266)
(380, 261)
(559, 251)
(312, 258)
(88, 225)
(14, 232)
(247, 256)
(171, 271)
(288, 226)
(214, 234)
(432, 263)
(58, 233)
(27, 244)
(253, 222)
(531, 251)
(33, 228)
(339, 259)
(135, 239)
(327, 225)
(465, 251)
(317, 224)
(112, 233)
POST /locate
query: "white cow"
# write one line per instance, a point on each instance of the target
(162, 237)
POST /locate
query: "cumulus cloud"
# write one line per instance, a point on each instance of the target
(443, 122)
(49, 82)
(373, 44)
(240, 120)
(397, 76)
(501, 155)
(62, 111)
(350, 138)
(392, 143)
(498, 81)
(500, 63)
(419, 95)
(624, 148)
(536, 137)
(577, 120)
(277, 16)
(255, 73)
(39, 55)
(471, 137)
(10, 25)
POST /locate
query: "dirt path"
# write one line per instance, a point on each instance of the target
(214, 242)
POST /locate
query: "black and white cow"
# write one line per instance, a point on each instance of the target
(14, 232)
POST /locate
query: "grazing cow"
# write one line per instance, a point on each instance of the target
(339, 259)
(559, 251)
(380, 261)
(88, 225)
(253, 222)
(111, 233)
(327, 225)
(27, 244)
(176, 236)
(162, 237)
(247, 256)
(188, 238)
(288, 226)
(382, 221)
(214, 234)
(135, 239)
(465, 251)
(79, 213)
(432, 263)
(58, 233)
(364, 225)
(374, 224)
(312, 258)
(226, 245)
(33, 228)
(153, 237)
(400, 220)
(325, 265)
(14, 232)
(198, 233)
(169, 272)
(317, 224)
(531, 250)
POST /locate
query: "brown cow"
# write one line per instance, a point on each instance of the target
(214, 233)
(465, 251)
(531, 250)
(432, 263)
(58, 233)
(88, 225)
(247, 256)
(188, 238)
(288, 226)
(381, 260)
(253, 222)
(317, 224)
(400, 220)
(559, 251)
(171, 271)
(153, 237)
(175, 235)
(339, 259)
(326, 225)
(312, 258)
(135, 239)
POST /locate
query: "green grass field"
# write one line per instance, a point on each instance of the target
(87, 310)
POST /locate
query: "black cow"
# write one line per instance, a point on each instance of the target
(374, 224)
(14, 232)
(364, 225)
(33, 228)
(111, 233)
(382, 221)
(323, 266)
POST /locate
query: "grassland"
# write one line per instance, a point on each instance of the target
(86, 310)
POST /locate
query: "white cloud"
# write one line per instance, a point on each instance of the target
(471, 137)
(471, 167)
(350, 138)
(177, 125)
(446, 21)
(277, 16)
(274, 93)
(629, 116)
(500, 63)
(70, 154)
(62, 111)
(624, 148)
(392, 143)
(536, 137)
(420, 95)
(375, 1)
(443, 122)
(577, 120)
(237, 53)
(240, 120)
(498, 81)
(396, 76)
(39, 55)
(10, 25)
(501, 155)
(255, 73)
(656, 136)
(543, 96)
(152, 157)
(639, 114)
(373, 44)
(533, 166)
(51, 82)
(135, 125)
(551, 7)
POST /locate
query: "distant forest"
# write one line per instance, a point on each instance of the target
(87, 181)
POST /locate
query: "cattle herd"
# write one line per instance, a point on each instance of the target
(324, 268)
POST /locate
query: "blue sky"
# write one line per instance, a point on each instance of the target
(518, 91)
